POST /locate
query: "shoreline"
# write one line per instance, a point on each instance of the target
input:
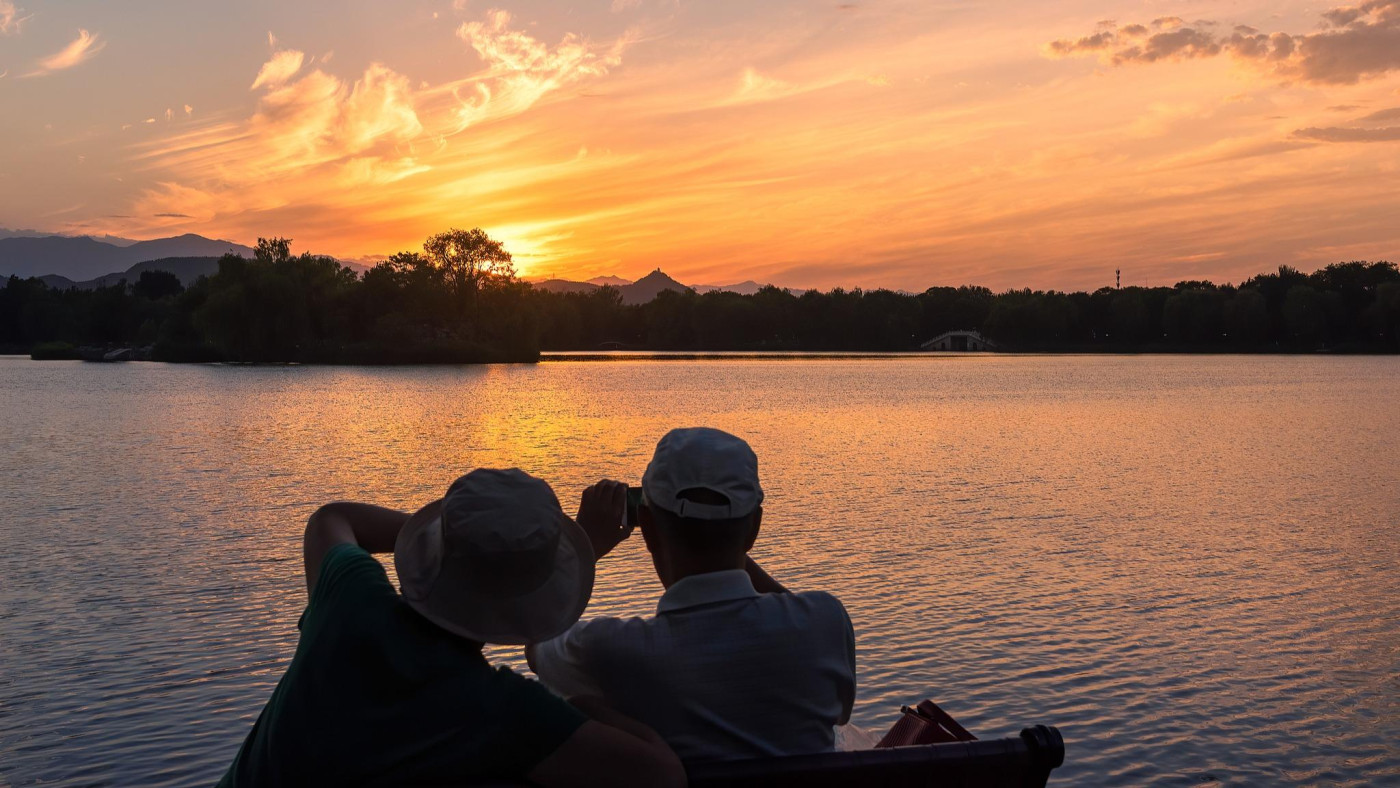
(594, 357)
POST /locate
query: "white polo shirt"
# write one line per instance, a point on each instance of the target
(721, 671)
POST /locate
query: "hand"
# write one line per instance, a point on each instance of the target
(600, 515)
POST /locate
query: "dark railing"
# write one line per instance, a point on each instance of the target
(1026, 760)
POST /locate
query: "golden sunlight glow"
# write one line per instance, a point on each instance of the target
(876, 144)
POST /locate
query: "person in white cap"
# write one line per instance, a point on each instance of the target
(390, 687)
(732, 665)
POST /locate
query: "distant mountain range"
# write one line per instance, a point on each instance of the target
(564, 286)
(746, 287)
(644, 289)
(114, 240)
(615, 281)
(186, 269)
(86, 262)
(85, 259)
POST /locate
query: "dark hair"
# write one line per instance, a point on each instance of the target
(705, 537)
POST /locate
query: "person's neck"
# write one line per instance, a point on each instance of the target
(679, 573)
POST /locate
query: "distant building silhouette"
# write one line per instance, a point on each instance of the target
(959, 341)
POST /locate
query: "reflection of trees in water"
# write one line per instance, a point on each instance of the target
(460, 300)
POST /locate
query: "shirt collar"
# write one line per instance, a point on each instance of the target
(707, 588)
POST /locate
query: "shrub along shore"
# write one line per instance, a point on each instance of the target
(459, 301)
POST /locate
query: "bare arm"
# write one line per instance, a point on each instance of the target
(598, 709)
(763, 582)
(375, 528)
(610, 750)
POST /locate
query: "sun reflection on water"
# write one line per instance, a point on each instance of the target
(1181, 562)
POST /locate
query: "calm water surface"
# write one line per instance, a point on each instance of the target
(1190, 565)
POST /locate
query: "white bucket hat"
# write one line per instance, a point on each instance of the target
(496, 560)
(703, 458)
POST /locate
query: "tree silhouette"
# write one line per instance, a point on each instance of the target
(459, 300)
(156, 285)
(469, 259)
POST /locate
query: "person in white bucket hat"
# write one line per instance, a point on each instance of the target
(390, 687)
(732, 665)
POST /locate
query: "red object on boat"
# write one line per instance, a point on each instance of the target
(924, 724)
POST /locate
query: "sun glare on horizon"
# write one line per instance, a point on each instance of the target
(866, 144)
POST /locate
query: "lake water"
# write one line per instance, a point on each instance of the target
(1188, 564)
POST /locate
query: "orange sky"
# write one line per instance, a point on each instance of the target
(898, 144)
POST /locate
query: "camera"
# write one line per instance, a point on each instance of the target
(634, 501)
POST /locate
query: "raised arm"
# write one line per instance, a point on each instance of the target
(763, 582)
(600, 516)
(374, 528)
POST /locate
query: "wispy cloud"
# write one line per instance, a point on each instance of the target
(1343, 134)
(302, 123)
(11, 18)
(1356, 43)
(283, 66)
(316, 138)
(1386, 114)
(83, 48)
(1361, 130)
(755, 86)
(521, 69)
(614, 152)
(377, 129)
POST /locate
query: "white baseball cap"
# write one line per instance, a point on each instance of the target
(703, 458)
(496, 560)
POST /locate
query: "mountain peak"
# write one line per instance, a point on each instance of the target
(648, 287)
(657, 276)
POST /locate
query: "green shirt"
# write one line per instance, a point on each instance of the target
(376, 694)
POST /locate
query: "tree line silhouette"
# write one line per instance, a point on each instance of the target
(459, 300)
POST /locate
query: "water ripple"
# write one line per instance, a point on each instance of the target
(1187, 564)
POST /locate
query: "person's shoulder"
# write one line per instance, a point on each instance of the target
(349, 576)
(612, 641)
(828, 629)
(349, 565)
(607, 632)
(571, 663)
(817, 601)
(587, 640)
(349, 557)
(822, 613)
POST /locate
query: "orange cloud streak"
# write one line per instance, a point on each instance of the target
(82, 49)
(815, 157)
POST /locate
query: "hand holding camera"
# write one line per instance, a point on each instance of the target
(607, 514)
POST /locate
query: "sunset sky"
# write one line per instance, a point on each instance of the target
(896, 144)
